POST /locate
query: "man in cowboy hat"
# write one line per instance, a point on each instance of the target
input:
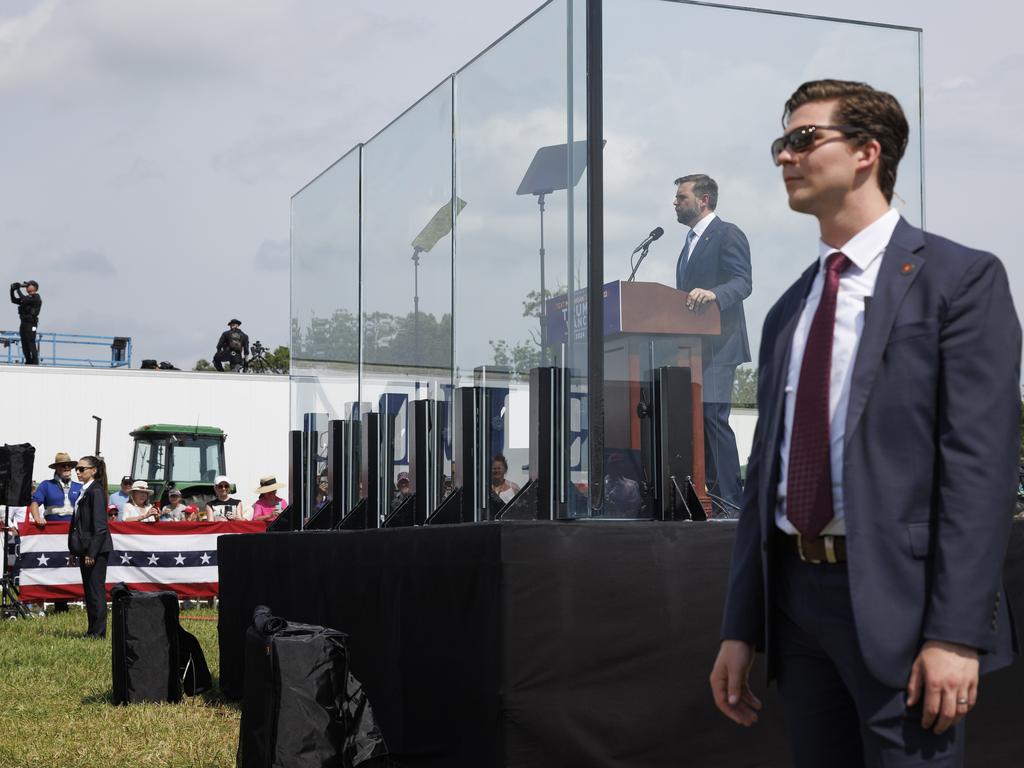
(54, 499)
(232, 346)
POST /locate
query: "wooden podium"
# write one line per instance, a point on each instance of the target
(646, 326)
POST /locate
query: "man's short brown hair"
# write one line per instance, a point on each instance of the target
(873, 114)
(702, 185)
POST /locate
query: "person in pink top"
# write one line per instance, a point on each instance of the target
(269, 505)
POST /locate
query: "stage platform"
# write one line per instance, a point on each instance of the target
(539, 644)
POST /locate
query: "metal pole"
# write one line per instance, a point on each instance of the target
(595, 253)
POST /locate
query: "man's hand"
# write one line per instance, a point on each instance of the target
(946, 674)
(729, 678)
(88, 561)
(699, 298)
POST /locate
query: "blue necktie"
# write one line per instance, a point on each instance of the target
(684, 259)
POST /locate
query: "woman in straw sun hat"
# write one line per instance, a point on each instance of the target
(138, 508)
(269, 505)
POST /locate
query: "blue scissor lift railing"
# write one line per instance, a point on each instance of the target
(70, 349)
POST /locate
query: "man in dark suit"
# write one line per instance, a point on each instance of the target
(880, 488)
(714, 266)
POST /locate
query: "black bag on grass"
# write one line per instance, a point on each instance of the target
(192, 667)
(301, 706)
(145, 646)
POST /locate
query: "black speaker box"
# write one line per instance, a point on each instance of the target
(16, 474)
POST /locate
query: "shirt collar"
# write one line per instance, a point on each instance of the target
(700, 226)
(868, 244)
(86, 486)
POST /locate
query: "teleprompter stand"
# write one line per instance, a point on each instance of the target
(549, 172)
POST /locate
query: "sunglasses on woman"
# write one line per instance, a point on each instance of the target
(802, 139)
(82, 469)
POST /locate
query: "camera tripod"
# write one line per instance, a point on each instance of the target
(259, 363)
(10, 606)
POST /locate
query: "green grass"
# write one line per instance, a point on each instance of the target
(55, 694)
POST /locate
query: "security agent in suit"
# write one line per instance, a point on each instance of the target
(878, 616)
(94, 547)
(714, 266)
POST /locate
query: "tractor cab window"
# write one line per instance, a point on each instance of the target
(150, 460)
(197, 459)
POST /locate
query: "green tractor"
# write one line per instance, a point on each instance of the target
(189, 458)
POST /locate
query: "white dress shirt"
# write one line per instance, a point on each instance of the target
(698, 230)
(856, 283)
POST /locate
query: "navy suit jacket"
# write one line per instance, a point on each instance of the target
(92, 513)
(929, 465)
(720, 262)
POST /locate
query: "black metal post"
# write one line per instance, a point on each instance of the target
(595, 253)
(295, 475)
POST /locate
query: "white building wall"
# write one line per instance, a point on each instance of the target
(52, 409)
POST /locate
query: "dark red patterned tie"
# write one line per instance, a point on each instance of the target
(809, 479)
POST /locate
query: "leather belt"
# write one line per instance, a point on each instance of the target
(824, 549)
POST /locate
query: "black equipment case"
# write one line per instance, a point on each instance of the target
(145, 646)
(301, 706)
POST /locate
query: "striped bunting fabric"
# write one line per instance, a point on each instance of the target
(147, 556)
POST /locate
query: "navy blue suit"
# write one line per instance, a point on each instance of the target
(720, 262)
(929, 468)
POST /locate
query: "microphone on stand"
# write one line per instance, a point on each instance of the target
(655, 234)
(642, 249)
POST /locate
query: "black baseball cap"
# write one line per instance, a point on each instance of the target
(234, 321)
(126, 479)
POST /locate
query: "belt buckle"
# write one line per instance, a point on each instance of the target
(803, 555)
(830, 549)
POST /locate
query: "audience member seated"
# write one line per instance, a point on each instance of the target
(322, 495)
(501, 487)
(622, 496)
(138, 508)
(175, 508)
(404, 488)
(120, 498)
(224, 506)
(269, 505)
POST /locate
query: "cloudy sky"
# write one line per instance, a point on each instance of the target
(150, 149)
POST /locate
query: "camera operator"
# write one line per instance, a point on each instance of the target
(232, 347)
(29, 303)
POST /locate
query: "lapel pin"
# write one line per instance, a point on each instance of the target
(907, 268)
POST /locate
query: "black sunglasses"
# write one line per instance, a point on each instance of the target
(82, 469)
(801, 139)
(223, 485)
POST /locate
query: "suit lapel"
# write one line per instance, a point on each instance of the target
(901, 264)
(777, 372)
(701, 243)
